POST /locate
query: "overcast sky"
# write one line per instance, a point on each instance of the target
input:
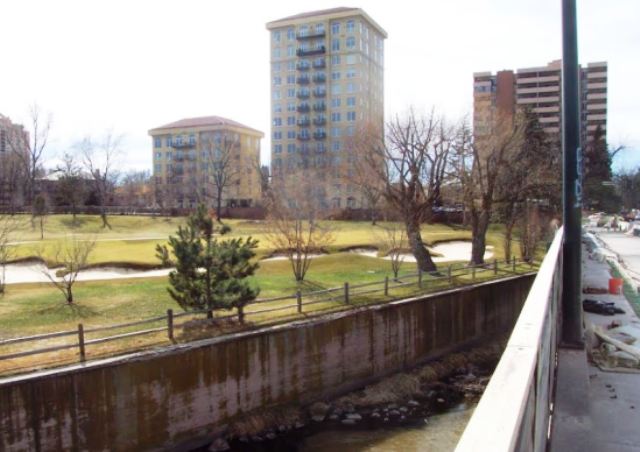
(134, 65)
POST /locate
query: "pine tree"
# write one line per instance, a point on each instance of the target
(211, 274)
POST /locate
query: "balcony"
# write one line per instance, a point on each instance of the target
(319, 93)
(303, 108)
(304, 122)
(319, 106)
(319, 135)
(319, 78)
(301, 52)
(319, 64)
(182, 144)
(302, 80)
(302, 94)
(320, 121)
(311, 35)
(304, 135)
(303, 66)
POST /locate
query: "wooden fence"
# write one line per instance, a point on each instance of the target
(347, 295)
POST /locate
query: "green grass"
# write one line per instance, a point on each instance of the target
(630, 292)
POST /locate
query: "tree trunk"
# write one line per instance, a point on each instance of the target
(219, 204)
(241, 314)
(479, 226)
(420, 252)
(69, 295)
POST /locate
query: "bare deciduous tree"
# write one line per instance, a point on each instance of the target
(395, 240)
(9, 224)
(71, 186)
(409, 166)
(136, 189)
(73, 256)
(101, 163)
(295, 208)
(222, 160)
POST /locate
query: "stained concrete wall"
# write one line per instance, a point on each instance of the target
(181, 395)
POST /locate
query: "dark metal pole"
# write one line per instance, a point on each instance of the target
(572, 184)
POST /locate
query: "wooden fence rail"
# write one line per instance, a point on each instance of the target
(348, 294)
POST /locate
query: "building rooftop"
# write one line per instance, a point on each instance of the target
(331, 12)
(204, 121)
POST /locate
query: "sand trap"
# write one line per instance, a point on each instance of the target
(449, 251)
(284, 258)
(30, 273)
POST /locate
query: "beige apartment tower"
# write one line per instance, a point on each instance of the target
(193, 156)
(326, 84)
(540, 89)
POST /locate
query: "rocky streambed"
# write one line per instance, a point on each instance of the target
(403, 402)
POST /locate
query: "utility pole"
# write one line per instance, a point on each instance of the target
(572, 334)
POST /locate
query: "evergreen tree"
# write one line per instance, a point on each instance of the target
(210, 274)
(598, 190)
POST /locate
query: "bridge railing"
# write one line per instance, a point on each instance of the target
(514, 412)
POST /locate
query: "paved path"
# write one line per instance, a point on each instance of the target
(627, 247)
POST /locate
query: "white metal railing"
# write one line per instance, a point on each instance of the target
(514, 412)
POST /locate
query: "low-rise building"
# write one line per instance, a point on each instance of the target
(195, 158)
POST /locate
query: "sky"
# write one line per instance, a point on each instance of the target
(129, 66)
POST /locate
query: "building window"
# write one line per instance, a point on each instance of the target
(350, 26)
(169, 141)
(277, 108)
(157, 141)
(335, 60)
(335, 75)
(335, 146)
(351, 101)
(351, 87)
(158, 168)
(277, 81)
(351, 59)
(276, 52)
(192, 140)
(350, 130)
(291, 134)
(351, 73)
(335, 44)
(276, 67)
(335, 116)
(290, 51)
(291, 92)
(335, 132)
(291, 34)
(277, 149)
(291, 79)
(319, 28)
(291, 106)
(291, 65)
(277, 135)
(351, 42)
(179, 140)
(335, 27)
(277, 122)
(291, 120)
(320, 147)
(276, 36)
(335, 88)
(276, 95)
(351, 116)
(335, 102)
(159, 155)
(303, 30)
(291, 148)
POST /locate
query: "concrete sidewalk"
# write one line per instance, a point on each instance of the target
(609, 418)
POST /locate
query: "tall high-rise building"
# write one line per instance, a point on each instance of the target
(540, 89)
(326, 83)
(14, 150)
(193, 157)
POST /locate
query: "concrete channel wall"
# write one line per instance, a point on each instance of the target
(180, 396)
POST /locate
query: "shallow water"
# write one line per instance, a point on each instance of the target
(441, 433)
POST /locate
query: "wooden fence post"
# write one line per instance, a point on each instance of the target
(81, 342)
(473, 272)
(170, 323)
(346, 293)
(513, 264)
(420, 278)
(299, 300)
(386, 286)
(495, 266)
(450, 274)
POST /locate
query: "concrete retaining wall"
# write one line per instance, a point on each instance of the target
(180, 396)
